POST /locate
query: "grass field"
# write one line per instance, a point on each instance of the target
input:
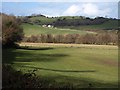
(111, 24)
(79, 65)
(37, 29)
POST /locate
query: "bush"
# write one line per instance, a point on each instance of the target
(11, 30)
(16, 79)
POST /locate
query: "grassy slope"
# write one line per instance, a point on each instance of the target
(107, 25)
(43, 19)
(102, 61)
(36, 29)
(49, 20)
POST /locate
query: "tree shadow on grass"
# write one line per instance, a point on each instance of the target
(8, 55)
(17, 55)
(28, 57)
(35, 48)
(37, 68)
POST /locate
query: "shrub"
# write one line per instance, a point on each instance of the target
(11, 30)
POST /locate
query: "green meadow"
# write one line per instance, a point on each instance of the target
(84, 29)
(37, 29)
(111, 24)
(78, 66)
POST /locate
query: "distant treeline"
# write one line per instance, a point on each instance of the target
(99, 39)
(78, 22)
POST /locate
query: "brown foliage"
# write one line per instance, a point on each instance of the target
(100, 39)
(11, 30)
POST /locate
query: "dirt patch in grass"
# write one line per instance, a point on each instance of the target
(110, 63)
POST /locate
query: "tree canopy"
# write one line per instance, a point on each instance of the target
(11, 30)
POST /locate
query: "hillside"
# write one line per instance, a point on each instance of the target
(109, 25)
(37, 29)
(33, 25)
(76, 22)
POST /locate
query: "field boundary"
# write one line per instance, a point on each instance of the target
(67, 45)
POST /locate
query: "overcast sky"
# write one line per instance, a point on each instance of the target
(58, 8)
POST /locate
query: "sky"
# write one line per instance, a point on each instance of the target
(60, 0)
(58, 8)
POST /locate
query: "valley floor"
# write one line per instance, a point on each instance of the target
(74, 64)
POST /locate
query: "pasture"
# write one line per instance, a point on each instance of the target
(111, 24)
(77, 65)
(37, 29)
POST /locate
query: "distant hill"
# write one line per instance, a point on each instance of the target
(37, 29)
(108, 25)
(73, 22)
(33, 25)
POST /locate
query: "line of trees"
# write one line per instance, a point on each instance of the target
(78, 22)
(100, 39)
